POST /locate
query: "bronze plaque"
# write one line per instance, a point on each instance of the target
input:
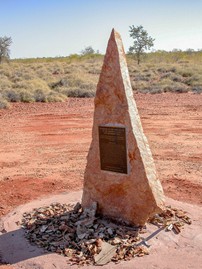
(112, 142)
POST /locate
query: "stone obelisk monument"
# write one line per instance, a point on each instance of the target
(120, 174)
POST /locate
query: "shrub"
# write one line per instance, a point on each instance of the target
(144, 90)
(172, 69)
(3, 103)
(12, 95)
(58, 84)
(177, 78)
(55, 79)
(195, 80)
(161, 70)
(156, 90)
(134, 86)
(181, 89)
(197, 89)
(139, 85)
(6, 70)
(78, 92)
(40, 96)
(56, 97)
(26, 96)
(166, 75)
(176, 88)
(186, 73)
(5, 83)
(94, 71)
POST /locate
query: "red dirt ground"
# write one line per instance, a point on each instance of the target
(43, 147)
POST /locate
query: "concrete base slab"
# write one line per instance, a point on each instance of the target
(167, 250)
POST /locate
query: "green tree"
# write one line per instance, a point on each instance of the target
(87, 51)
(5, 43)
(142, 41)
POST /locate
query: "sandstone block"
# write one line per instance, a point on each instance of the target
(120, 174)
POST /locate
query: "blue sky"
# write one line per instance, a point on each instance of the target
(43, 28)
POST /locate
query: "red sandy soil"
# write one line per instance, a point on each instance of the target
(43, 147)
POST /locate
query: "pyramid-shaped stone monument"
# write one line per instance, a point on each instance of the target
(120, 174)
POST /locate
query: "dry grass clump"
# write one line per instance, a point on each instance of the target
(5, 83)
(3, 103)
(75, 85)
(178, 77)
(56, 79)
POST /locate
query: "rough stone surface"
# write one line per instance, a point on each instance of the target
(135, 196)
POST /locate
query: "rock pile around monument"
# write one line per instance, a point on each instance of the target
(86, 238)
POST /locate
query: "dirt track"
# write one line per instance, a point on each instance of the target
(43, 147)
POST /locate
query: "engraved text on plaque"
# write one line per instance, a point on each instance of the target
(112, 143)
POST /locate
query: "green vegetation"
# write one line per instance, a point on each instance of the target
(56, 79)
(167, 72)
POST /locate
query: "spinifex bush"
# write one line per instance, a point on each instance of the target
(56, 79)
(3, 103)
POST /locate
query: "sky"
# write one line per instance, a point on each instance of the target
(51, 28)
